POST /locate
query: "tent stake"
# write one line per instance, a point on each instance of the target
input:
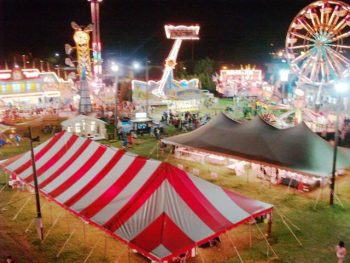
(317, 199)
(338, 199)
(65, 243)
(2, 188)
(21, 209)
(52, 226)
(201, 256)
(287, 219)
(267, 242)
(12, 198)
(91, 251)
(235, 248)
(291, 231)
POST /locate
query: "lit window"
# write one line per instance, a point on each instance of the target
(77, 127)
(84, 125)
(93, 126)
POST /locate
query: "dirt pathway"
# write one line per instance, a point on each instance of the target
(15, 244)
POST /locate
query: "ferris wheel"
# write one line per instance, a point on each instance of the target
(318, 43)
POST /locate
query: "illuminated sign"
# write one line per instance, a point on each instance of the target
(182, 32)
(241, 74)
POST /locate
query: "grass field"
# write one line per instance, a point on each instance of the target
(319, 229)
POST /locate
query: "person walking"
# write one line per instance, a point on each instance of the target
(341, 251)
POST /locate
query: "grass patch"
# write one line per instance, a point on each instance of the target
(320, 228)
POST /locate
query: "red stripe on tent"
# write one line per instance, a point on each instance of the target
(138, 199)
(79, 173)
(65, 165)
(71, 201)
(54, 158)
(248, 205)
(162, 231)
(40, 154)
(115, 188)
(194, 198)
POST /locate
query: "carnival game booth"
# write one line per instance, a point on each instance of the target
(141, 123)
(294, 156)
(152, 206)
(86, 126)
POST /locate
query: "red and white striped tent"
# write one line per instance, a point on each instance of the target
(154, 207)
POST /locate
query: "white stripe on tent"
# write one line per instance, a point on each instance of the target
(77, 144)
(83, 181)
(62, 142)
(217, 196)
(104, 184)
(165, 199)
(192, 225)
(161, 251)
(82, 159)
(124, 196)
(19, 162)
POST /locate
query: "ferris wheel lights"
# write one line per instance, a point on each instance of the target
(341, 87)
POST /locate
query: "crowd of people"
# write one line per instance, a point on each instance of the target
(185, 121)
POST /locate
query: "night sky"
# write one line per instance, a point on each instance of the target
(235, 31)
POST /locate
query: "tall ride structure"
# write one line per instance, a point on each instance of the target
(177, 33)
(96, 41)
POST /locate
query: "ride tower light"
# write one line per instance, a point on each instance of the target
(178, 33)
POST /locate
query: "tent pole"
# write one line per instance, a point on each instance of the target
(269, 225)
(65, 244)
(21, 209)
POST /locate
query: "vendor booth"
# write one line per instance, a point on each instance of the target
(86, 126)
(294, 156)
(141, 123)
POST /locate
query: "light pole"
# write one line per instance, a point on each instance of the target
(284, 74)
(147, 89)
(340, 88)
(39, 222)
(115, 69)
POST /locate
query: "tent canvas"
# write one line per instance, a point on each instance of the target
(296, 148)
(152, 206)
